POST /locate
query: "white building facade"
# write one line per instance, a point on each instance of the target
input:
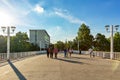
(40, 38)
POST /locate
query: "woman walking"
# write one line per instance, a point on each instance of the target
(70, 51)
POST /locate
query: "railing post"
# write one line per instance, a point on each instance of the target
(103, 55)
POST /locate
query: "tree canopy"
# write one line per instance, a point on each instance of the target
(18, 43)
(117, 42)
(85, 40)
(101, 43)
(84, 37)
(3, 44)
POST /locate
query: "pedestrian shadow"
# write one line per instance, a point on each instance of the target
(79, 58)
(18, 73)
(70, 61)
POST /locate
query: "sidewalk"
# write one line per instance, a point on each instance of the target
(78, 67)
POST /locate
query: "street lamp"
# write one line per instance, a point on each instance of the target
(112, 29)
(7, 31)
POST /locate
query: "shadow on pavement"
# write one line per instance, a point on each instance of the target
(18, 73)
(80, 58)
(71, 61)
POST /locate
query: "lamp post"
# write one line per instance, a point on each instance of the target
(112, 29)
(7, 30)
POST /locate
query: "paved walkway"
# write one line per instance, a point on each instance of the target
(78, 67)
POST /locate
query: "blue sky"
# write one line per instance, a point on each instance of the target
(60, 18)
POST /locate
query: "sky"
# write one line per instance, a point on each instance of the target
(60, 18)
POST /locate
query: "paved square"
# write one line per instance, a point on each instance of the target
(78, 67)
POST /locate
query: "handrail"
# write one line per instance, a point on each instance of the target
(102, 54)
(18, 55)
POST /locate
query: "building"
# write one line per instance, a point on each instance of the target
(40, 38)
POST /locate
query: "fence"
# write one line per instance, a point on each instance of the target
(102, 54)
(106, 55)
(117, 55)
(3, 56)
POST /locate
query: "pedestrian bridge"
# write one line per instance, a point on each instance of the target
(76, 67)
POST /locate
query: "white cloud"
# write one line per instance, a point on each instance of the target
(39, 9)
(57, 33)
(64, 14)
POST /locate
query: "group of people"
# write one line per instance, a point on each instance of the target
(51, 52)
(68, 52)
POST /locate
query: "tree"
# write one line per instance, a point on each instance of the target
(101, 43)
(19, 43)
(75, 44)
(3, 44)
(84, 37)
(117, 42)
(70, 44)
(60, 45)
(33, 47)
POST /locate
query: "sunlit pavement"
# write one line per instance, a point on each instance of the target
(78, 67)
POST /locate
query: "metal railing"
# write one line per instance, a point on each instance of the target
(117, 55)
(102, 54)
(106, 55)
(13, 56)
(18, 55)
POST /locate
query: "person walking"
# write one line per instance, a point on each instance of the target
(51, 52)
(48, 52)
(79, 51)
(55, 52)
(70, 51)
(91, 52)
(65, 52)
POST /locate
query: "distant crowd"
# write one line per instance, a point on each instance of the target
(52, 52)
